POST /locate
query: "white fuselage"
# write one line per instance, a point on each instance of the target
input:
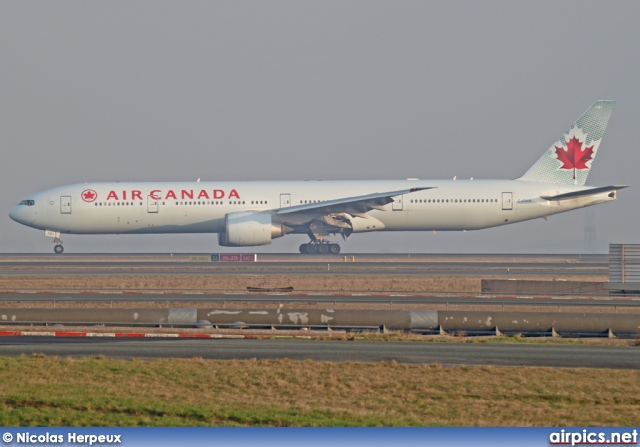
(201, 207)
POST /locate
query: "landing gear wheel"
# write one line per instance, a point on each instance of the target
(58, 249)
(321, 248)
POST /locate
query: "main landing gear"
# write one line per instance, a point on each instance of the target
(322, 248)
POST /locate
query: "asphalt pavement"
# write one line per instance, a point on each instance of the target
(315, 298)
(289, 264)
(452, 353)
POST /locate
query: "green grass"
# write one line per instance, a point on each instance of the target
(51, 391)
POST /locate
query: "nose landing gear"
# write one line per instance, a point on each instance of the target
(58, 248)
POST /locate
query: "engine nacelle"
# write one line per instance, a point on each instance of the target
(245, 228)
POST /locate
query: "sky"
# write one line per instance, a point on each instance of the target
(297, 90)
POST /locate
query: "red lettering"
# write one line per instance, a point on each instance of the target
(185, 194)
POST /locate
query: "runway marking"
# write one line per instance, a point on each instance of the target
(155, 335)
(126, 334)
(162, 335)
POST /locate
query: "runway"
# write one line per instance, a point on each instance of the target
(498, 354)
(288, 264)
(315, 298)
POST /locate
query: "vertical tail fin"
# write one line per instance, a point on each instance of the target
(569, 160)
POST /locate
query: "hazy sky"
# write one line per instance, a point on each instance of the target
(241, 90)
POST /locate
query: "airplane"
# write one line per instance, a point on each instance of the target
(253, 213)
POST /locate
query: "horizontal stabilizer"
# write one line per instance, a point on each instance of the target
(360, 204)
(584, 192)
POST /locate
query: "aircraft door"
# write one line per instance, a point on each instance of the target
(507, 201)
(285, 200)
(397, 203)
(65, 204)
(152, 205)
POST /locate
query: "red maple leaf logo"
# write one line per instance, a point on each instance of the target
(574, 157)
(89, 195)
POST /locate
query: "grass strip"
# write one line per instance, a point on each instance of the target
(52, 391)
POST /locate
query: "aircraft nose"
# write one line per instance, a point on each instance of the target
(13, 213)
(17, 214)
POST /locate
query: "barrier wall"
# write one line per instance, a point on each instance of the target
(425, 321)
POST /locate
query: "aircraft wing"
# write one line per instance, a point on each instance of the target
(583, 192)
(352, 205)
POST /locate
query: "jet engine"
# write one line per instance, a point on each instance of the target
(245, 228)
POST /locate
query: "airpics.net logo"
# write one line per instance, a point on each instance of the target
(71, 438)
(592, 437)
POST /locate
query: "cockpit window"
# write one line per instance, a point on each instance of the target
(27, 202)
